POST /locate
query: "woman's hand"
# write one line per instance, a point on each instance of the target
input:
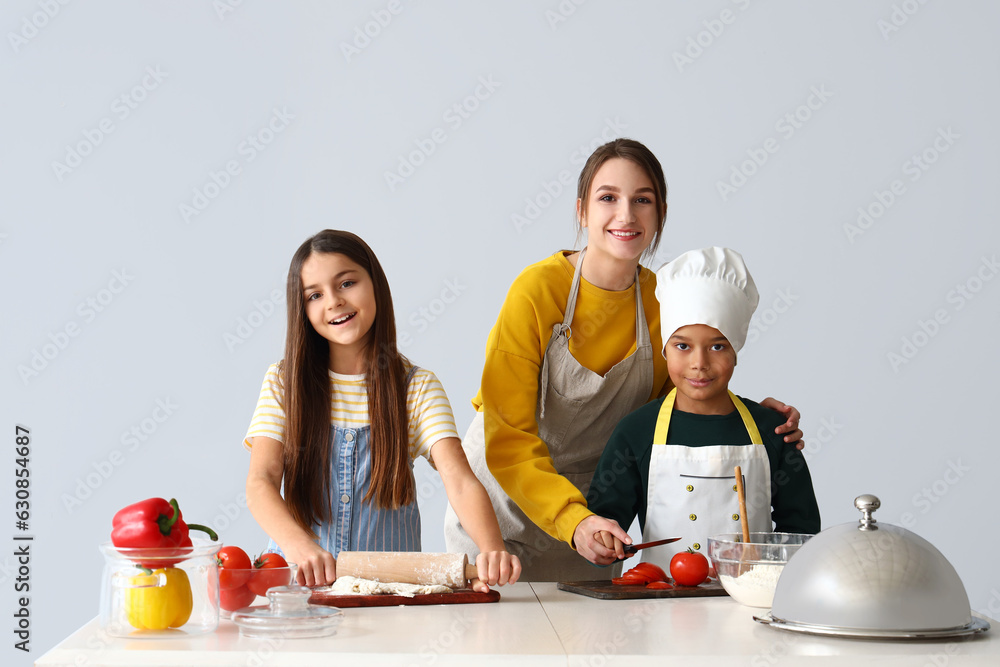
(496, 568)
(600, 540)
(317, 567)
(791, 426)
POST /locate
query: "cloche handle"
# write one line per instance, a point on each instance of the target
(867, 504)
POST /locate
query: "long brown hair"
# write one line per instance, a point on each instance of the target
(632, 150)
(306, 383)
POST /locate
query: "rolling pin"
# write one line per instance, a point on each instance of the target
(408, 567)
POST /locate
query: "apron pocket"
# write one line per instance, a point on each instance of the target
(560, 412)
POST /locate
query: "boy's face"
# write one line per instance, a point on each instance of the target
(700, 362)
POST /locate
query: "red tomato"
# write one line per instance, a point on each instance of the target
(655, 572)
(689, 568)
(234, 567)
(640, 575)
(270, 570)
(232, 599)
(659, 586)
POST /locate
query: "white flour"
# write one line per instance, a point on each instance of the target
(755, 587)
(354, 586)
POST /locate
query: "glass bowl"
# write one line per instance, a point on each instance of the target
(239, 588)
(749, 571)
(157, 593)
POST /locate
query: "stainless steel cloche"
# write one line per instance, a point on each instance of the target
(868, 579)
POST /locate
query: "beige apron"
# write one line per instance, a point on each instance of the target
(692, 490)
(576, 413)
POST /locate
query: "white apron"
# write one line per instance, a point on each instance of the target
(692, 490)
(577, 411)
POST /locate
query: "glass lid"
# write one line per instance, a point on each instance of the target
(288, 615)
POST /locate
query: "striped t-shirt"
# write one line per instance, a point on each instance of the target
(429, 414)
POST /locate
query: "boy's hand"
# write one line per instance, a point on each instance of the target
(600, 540)
(496, 568)
(791, 426)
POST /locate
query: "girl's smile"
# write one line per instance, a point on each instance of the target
(341, 320)
(340, 305)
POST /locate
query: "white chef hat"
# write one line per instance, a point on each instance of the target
(709, 286)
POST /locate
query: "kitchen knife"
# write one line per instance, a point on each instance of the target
(632, 548)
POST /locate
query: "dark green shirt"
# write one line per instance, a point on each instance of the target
(618, 490)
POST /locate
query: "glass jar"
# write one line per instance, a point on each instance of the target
(159, 593)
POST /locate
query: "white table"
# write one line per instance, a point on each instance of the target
(533, 624)
(719, 631)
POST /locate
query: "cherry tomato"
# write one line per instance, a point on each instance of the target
(234, 567)
(659, 586)
(689, 568)
(232, 599)
(655, 572)
(268, 573)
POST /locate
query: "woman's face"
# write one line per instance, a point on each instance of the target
(621, 217)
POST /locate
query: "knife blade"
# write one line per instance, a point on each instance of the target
(632, 548)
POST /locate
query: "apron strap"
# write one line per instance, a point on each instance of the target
(663, 418)
(561, 329)
(747, 420)
(641, 328)
(667, 408)
(574, 290)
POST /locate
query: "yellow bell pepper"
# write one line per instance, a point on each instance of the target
(152, 603)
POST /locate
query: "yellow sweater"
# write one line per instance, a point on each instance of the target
(603, 334)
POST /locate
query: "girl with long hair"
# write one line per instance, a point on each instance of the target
(340, 420)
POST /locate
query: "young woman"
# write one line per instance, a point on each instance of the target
(574, 350)
(340, 420)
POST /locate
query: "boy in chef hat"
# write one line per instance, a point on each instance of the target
(672, 461)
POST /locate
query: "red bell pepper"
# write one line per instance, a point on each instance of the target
(157, 525)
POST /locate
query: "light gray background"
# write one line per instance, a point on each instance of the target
(893, 77)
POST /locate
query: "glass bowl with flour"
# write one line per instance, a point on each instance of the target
(749, 571)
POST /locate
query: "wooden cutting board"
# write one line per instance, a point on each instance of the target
(605, 590)
(460, 596)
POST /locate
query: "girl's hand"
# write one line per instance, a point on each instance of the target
(317, 567)
(600, 540)
(790, 427)
(496, 568)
